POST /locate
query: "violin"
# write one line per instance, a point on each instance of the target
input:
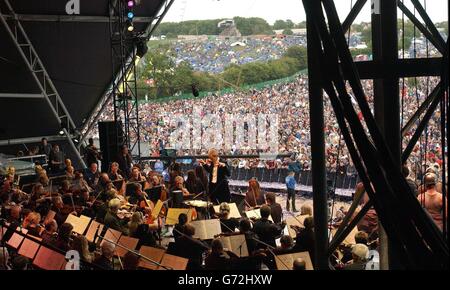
(124, 214)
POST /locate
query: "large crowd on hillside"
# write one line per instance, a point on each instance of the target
(215, 55)
(290, 102)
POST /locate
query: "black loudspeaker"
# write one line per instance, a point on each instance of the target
(111, 138)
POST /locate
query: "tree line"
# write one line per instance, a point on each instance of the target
(159, 76)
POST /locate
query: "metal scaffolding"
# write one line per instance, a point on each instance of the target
(35, 66)
(414, 241)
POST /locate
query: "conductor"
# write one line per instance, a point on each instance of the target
(218, 177)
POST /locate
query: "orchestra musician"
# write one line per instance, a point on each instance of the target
(254, 197)
(136, 175)
(114, 173)
(92, 154)
(112, 220)
(219, 172)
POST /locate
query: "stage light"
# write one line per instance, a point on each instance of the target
(130, 26)
(61, 132)
(130, 15)
(130, 3)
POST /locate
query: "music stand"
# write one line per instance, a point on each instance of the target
(173, 262)
(16, 239)
(47, 259)
(154, 193)
(95, 229)
(111, 235)
(125, 242)
(177, 198)
(79, 224)
(152, 253)
(29, 248)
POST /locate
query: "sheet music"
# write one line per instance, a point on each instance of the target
(206, 229)
(79, 223)
(236, 244)
(234, 211)
(157, 209)
(174, 213)
(255, 213)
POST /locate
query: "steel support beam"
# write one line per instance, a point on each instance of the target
(29, 140)
(429, 23)
(423, 123)
(423, 107)
(438, 43)
(21, 96)
(71, 18)
(93, 118)
(42, 78)
(401, 68)
(353, 14)
(316, 113)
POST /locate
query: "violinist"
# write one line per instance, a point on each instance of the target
(63, 240)
(31, 223)
(227, 224)
(112, 220)
(49, 232)
(60, 209)
(114, 174)
(92, 175)
(145, 233)
(177, 187)
(136, 175)
(218, 188)
(254, 197)
(79, 183)
(157, 190)
(39, 198)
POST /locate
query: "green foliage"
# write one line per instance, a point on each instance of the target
(171, 79)
(247, 26)
(252, 26)
(287, 31)
(281, 24)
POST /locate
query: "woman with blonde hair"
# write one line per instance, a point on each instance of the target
(81, 245)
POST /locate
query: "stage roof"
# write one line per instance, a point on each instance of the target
(76, 52)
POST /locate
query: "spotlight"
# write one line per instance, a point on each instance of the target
(130, 15)
(63, 126)
(130, 26)
(130, 3)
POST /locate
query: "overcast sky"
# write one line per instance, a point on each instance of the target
(272, 10)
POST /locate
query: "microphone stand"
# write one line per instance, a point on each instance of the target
(136, 253)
